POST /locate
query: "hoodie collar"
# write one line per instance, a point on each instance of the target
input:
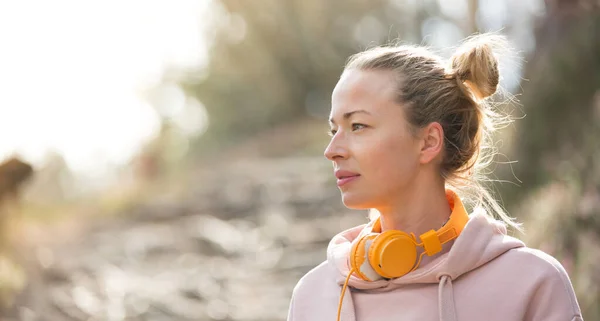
(482, 240)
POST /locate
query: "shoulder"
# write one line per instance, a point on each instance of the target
(315, 278)
(549, 286)
(315, 290)
(544, 264)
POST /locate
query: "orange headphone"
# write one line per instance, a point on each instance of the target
(393, 253)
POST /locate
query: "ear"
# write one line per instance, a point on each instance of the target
(432, 142)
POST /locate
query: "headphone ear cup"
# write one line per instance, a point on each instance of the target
(393, 254)
(359, 258)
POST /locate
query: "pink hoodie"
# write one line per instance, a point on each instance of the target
(486, 275)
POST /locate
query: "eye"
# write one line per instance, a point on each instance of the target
(357, 126)
(332, 132)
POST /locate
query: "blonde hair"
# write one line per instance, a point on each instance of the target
(455, 94)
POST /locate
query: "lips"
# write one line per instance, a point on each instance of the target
(344, 177)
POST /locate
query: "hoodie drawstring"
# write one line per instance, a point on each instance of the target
(446, 299)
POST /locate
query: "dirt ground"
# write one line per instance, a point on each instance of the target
(231, 247)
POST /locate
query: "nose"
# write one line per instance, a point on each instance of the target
(336, 149)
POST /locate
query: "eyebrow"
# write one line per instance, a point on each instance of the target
(350, 113)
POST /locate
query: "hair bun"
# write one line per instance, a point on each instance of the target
(475, 64)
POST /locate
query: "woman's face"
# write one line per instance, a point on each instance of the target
(375, 156)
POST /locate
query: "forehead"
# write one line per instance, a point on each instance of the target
(371, 90)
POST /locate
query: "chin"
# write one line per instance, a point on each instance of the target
(356, 202)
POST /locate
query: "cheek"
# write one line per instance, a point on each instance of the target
(393, 161)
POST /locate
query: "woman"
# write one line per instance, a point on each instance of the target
(408, 132)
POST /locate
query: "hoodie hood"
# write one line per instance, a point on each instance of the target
(482, 240)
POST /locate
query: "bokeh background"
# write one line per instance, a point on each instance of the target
(162, 160)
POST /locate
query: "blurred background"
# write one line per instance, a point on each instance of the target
(162, 160)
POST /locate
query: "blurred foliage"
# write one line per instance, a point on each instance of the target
(275, 62)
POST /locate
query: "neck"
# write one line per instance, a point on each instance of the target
(419, 209)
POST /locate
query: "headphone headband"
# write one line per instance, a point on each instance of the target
(432, 239)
